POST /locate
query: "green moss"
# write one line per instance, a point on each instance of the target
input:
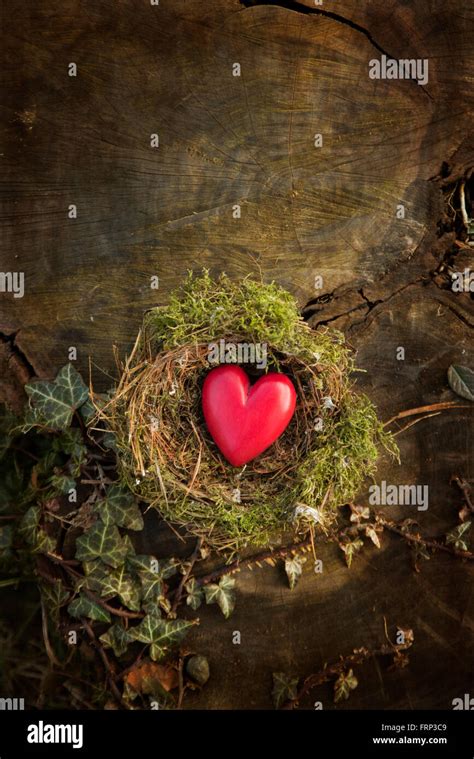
(204, 309)
(183, 474)
(346, 455)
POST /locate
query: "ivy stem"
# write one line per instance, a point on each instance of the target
(292, 548)
(413, 538)
(235, 566)
(179, 590)
(112, 609)
(465, 489)
(106, 663)
(332, 671)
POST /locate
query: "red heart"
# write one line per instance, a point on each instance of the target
(244, 421)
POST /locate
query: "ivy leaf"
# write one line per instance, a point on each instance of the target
(13, 484)
(57, 401)
(109, 441)
(102, 541)
(285, 688)
(6, 540)
(116, 638)
(461, 380)
(6, 537)
(152, 589)
(7, 422)
(165, 605)
(343, 686)
(45, 465)
(294, 569)
(62, 484)
(456, 536)
(160, 634)
(120, 508)
(144, 563)
(195, 595)
(359, 512)
(129, 548)
(152, 573)
(88, 411)
(222, 595)
(152, 586)
(31, 418)
(54, 596)
(113, 582)
(350, 549)
(45, 543)
(39, 540)
(70, 442)
(83, 606)
(29, 525)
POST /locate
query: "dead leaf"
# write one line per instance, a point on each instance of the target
(148, 675)
(407, 634)
(371, 532)
(359, 512)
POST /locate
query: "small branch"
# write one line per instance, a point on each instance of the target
(462, 204)
(416, 538)
(44, 624)
(235, 566)
(179, 591)
(106, 663)
(69, 563)
(415, 421)
(181, 683)
(465, 489)
(10, 581)
(24, 452)
(132, 666)
(332, 671)
(444, 406)
(279, 553)
(105, 480)
(112, 609)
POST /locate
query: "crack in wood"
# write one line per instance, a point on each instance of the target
(296, 7)
(293, 5)
(10, 341)
(448, 227)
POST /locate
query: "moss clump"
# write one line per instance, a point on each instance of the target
(166, 454)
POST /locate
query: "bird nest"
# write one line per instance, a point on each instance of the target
(166, 455)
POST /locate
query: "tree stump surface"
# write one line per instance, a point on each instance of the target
(306, 211)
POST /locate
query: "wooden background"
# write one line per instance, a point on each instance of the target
(305, 211)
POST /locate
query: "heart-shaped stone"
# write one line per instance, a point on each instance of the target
(245, 420)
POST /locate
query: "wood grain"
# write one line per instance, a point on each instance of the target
(249, 140)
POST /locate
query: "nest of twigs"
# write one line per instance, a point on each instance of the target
(166, 454)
